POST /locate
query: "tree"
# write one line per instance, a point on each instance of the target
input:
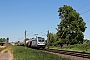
(27, 39)
(71, 28)
(53, 39)
(2, 40)
(86, 41)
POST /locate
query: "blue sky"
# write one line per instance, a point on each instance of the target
(36, 16)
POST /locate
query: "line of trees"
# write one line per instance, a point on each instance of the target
(4, 40)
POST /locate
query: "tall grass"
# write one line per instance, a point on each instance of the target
(76, 47)
(79, 47)
(20, 53)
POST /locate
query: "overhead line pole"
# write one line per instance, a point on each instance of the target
(25, 39)
(48, 40)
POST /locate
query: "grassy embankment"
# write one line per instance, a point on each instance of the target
(76, 47)
(20, 53)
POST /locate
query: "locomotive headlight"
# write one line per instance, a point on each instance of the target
(38, 43)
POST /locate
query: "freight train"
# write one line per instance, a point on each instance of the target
(37, 42)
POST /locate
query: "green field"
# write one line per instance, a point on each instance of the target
(76, 47)
(20, 53)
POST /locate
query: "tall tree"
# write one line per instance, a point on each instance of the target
(71, 28)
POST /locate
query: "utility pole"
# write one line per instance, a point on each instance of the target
(48, 38)
(25, 39)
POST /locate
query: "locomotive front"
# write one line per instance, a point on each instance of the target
(40, 42)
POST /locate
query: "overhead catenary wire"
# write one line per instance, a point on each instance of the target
(80, 14)
(52, 26)
(29, 34)
(83, 6)
(85, 12)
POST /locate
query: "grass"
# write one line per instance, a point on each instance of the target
(79, 47)
(76, 47)
(2, 48)
(20, 53)
(6, 51)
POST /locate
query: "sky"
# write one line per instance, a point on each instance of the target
(36, 17)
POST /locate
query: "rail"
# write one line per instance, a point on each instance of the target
(72, 53)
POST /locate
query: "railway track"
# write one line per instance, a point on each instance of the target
(72, 53)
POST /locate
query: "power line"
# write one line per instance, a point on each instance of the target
(83, 6)
(51, 26)
(80, 14)
(85, 12)
(29, 33)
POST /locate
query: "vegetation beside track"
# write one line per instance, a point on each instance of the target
(20, 53)
(79, 47)
(76, 47)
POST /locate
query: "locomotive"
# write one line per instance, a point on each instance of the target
(37, 42)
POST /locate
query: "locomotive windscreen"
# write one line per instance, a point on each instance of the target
(40, 39)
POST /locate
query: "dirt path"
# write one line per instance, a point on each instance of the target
(6, 54)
